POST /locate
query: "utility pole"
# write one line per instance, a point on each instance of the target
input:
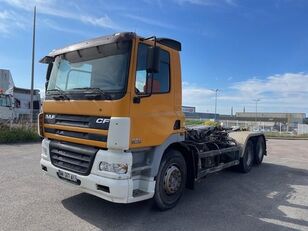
(216, 93)
(32, 71)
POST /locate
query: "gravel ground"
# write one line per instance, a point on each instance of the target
(273, 196)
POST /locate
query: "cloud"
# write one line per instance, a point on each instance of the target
(198, 96)
(57, 8)
(9, 20)
(104, 21)
(52, 25)
(283, 84)
(151, 22)
(207, 2)
(281, 92)
(286, 92)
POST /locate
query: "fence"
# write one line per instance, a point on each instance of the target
(19, 120)
(302, 129)
(267, 127)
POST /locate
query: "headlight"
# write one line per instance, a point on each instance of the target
(110, 167)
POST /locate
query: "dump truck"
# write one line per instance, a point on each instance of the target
(112, 123)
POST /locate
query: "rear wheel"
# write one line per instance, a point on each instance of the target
(247, 160)
(171, 180)
(259, 150)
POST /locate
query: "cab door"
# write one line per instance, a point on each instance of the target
(152, 116)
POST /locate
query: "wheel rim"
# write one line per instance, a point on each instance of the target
(172, 179)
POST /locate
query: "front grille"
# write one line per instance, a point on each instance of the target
(78, 121)
(80, 135)
(72, 157)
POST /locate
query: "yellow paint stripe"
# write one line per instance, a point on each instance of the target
(77, 129)
(76, 140)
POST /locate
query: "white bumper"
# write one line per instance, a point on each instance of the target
(122, 188)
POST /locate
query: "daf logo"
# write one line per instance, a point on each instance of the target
(102, 121)
(50, 117)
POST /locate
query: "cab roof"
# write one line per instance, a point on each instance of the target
(118, 37)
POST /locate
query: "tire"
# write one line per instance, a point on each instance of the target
(259, 150)
(171, 180)
(247, 160)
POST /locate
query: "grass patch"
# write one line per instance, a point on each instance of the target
(17, 135)
(202, 122)
(194, 122)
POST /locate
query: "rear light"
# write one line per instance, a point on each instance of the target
(40, 128)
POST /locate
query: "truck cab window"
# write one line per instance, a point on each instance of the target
(8, 101)
(161, 80)
(2, 101)
(5, 101)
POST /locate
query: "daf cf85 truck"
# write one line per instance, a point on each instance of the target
(112, 123)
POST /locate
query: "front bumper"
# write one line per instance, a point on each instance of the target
(117, 188)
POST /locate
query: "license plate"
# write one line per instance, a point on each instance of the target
(67, 176)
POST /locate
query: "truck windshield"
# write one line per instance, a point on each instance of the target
(102, 67)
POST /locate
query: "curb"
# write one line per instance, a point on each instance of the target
(286, 138)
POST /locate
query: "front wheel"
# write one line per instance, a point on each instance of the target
(171, 180)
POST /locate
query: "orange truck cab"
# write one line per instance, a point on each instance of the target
(113, 125)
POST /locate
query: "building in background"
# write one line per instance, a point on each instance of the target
(190, 113)
(261, 121)
(14, 101)
(188, 109)
(265, 121)
(22, 102)
(6, 80)
(289, 118)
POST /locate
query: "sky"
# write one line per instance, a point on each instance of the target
(248, 49)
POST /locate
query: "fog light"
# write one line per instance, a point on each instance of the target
(110, 167)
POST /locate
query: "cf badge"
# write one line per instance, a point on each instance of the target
(102, 121)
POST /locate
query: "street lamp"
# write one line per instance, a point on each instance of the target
(216, 93)
(32, 70)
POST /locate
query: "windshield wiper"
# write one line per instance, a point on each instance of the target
(60, 95)
(89, 91)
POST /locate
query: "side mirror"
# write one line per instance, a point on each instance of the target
(153, 59)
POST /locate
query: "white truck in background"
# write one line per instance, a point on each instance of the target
(6, 108)
(15, 104)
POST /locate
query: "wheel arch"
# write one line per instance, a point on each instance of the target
(175, 142)
(159, 151)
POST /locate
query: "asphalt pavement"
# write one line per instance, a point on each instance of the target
(273, 196)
